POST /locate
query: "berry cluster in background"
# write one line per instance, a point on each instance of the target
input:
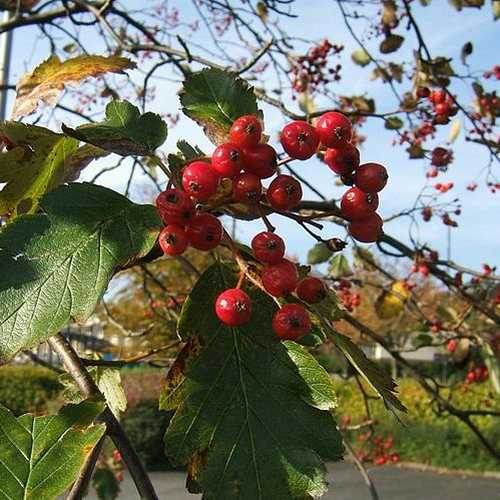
(245, 160)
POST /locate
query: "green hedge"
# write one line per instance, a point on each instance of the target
(28, 388)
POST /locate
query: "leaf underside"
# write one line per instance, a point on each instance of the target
(253, 415)
(56, 265)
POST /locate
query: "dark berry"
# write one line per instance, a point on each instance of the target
(334, 129)
(291, 322)
(247, 188)
(367, 230)
(173, 239)
(284, 192)
(246, 131)
(260, 160)
(227, 160)
(268, 247)
(175, 207)
(233, 307)
(205, 232)
(371, 177)
(300, 140)
(344, 160)
(311, 290)
(200, 180)
(281, 278)
(357, 204)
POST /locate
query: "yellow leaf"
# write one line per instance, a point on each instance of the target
(49, 79)
(455, 127)
(389, 304)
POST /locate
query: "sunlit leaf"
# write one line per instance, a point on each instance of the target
(455, 128)
(361, 57)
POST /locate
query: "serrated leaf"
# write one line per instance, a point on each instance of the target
(41, 456)
(318, 254)
(339, 267)
(361, 57)
(105, 484)
(391, 43)
(124, 131)
(56, 265)
(393, 123)
(109, 382)
(214, 99)
(48, 80)
(455, 128)
(253, 415)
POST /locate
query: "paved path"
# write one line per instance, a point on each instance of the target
(392, 483)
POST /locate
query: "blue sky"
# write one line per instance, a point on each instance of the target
(476, 240)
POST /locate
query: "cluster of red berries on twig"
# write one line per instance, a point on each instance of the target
(442, 103)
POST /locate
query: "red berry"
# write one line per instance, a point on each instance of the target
(380, 460)
(452, 345)
(334, 129)
(268, 247)
(356, 204)
(291, 322)
(173, 240)
(437, 96)
(311, 290)
(343, 160)
(227, 160)
(443, 109)
(284, 192)
(300, 140)
(371, 177)
(246, 131)
(366, 230)
(175, 207)
(205, 232)
(260, 160)
(247, 188)
(471, 377)
(200, 180)
(233, 307)
(281, 278)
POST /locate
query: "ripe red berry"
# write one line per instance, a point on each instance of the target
(200, 180)
(205, 232)
(268, 247)
(175, 207)
(356, 204)
(437, 96)
(291, 322)
(443, 109)
(371, 177)
(284, 192)
(227, 160)
(300, 140)
(246, 131)
(311, 290)
(281, 278)
(367, 230)
(343, 160)
(233, 307)
(247, 188)
(334, 129)
(173, 240)
(260, 160)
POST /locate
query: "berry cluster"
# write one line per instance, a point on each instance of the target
(344, 291)
(442, 104)
(377, 449)
(477, 375)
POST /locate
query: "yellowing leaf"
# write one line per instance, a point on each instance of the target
(360, 57)
(455, 127)
(49, 79)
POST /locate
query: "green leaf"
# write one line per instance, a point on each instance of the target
(105, 484)
(56, 265)
(393, 123)
(253, 415)
(361, 57)
(124, 131)
(339, 267)
(318, 254)
(214, 99)
(109, 382)
(40, 457)
(391, 43)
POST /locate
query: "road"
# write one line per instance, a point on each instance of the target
(393, 483)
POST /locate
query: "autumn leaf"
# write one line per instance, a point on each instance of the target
(48, 80)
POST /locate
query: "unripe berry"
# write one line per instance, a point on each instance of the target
(367, 230)
(300, 140)
(268, 247)
(173, 240)
(175, 207)
(205, 232)
(233, 307)
(284, 192)
(281, 278)
(260, 160)
(291, 322)
(227, 160)
(334, 129)
(200, 180)
(356, 204)
(246, 131)
(371, 177)
(344, 160)
(247, 188)
(311, 290)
